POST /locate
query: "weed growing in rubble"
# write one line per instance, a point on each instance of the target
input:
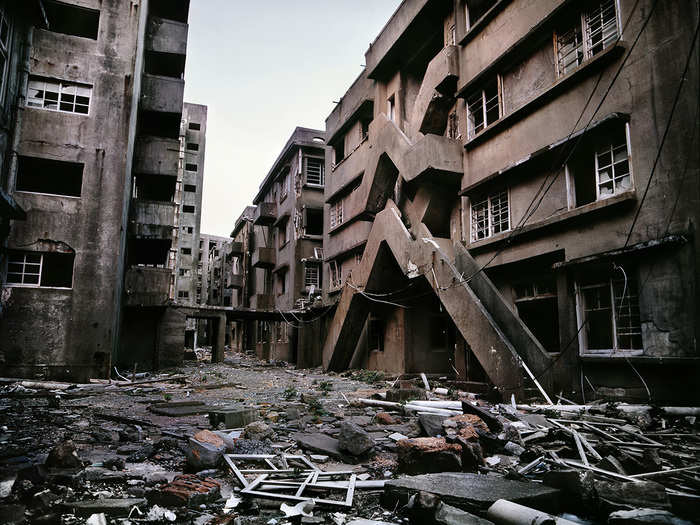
(316, 407)
(370, 376)
(167, 396)
(290, 393)
(325, 386)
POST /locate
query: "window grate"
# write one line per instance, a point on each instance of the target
(315, 171)
(490, 216)
(311, 275)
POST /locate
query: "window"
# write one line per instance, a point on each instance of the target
(5, 40)
(193, 146)
(312, 273)
(191, 188)
(54, 177)
(536, 304)
(183, 294)
(490, 216)
(339, 150)
(375, 333)
(453, 126)
(58, 95)
(38, 269)
(391, 108)
(191, 167)
(601, 167)
(336, 218)
(336, 279)
(284, 190)
(364, 129)
(188, 209)
(318, 253)
(186, 251)
(185, 272)
(190, 229)
(475, 9)
(610, 311)
(587, 35)
(194, 126)
(282, 282)
(72, 20)
(314, 222)
(282, 234)
(452, 36)
(315, 171)
(483, 108)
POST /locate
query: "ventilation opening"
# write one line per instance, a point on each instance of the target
(72, 20)
(158, 124)
(155, 187)
(177, 10)
(165, 64)
(149, 252)
(54, 177)
(314, 221)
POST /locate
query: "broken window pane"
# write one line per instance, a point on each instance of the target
(49, 176)
(50, 269)
(71, 19)
(55, 95)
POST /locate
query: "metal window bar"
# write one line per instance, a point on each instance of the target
(311, 275)
(499, 215)
(480, 220)
(314, 171)
(601, 27)
(570, 50)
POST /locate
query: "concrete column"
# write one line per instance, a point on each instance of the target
(218, 337)
(170, 338)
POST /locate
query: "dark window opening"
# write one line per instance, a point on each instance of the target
(194, 126)
(177, 10)
(164, 64)
(190, 229)
(476, 9)
(155, 187)
(314, 221)
(36, 269)
(440, 335)
(149, 252)
(541, 316)
(227, 301)
(364, 128)
(159, 124)
(188, 209)
(183, 294)
(339, 150)
(55, 177)
(72, 20)
(193, 146)
(191, 167)
(186, 251)
(190, 188)
(375, 334)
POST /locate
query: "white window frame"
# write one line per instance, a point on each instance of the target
(580, 318)
(321, 173)
(582, 36)
(490, 226)
(611, 148)
(335, 274)
(336, 214)
(479, 97)
(318, 253)
(24, 264)
(64, 87)
(311, 268)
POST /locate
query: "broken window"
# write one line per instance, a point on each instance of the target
(536, 303)
(194, 126)
(39, 269)
(339, 150)
(490, 216)
(451, 36)
(186, 251)
(336, 213)
(315, 169)
(5, 40)
(483, 107)
(453, 126)
(191, 167)
(318, 253)
(183, 294)
(191, 188)
(312, 275)
(314, 221)
(188, 209)
(375, 333)
(586, 35)
(159, 124)
(190, 229)
(364, 129)
(71, 19)
(601, 167)
(58, 95)
(54, 177)
(336, 279)
(474, 10)
(193, 146)
(284, 185)
(185, 272)
(610, 310)
(172, 10)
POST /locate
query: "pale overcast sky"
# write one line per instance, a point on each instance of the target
(263, 68)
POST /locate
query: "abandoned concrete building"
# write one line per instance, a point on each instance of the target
(88, 275)
(278, 254)
(507, 204)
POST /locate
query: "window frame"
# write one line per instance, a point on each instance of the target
(472, 130)
(5, 48)
(335, 275)
(336, 214)
(24, 263)
(322, 171)
(309, 269)
(488, 200)
(62, 84)
(610, 148)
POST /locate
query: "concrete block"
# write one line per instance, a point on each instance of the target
(233, 417)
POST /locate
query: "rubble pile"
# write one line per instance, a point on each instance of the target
(248, 442)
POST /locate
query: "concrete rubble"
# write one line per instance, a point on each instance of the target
(161, 449)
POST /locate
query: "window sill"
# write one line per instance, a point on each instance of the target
(33, 287)
(346, 157)
(27, 192)
(313, 186)
(557, 219)
(548, 94)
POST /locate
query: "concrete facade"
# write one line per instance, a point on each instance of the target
(516, 195)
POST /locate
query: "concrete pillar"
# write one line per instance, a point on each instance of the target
(170, 338)
(218, 338)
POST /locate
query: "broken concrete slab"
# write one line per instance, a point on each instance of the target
(119, 507)
(320, 443)
(420, 455)
(645, 516)
(353, 439)
(471, 492)
(405, 394)
(64, 455)
(449, 515)
(180, 408)
(233, 416)
(432, 424)
(614, 496)
(205, 450)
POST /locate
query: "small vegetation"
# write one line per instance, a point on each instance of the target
(290, 393)
(370, 376)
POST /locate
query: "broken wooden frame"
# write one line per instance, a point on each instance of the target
(310, 482)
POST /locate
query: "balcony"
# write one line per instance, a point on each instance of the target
(147, 286)
(265, 214)
(262, 301)
(264, 258)
(166, 36)
(434, 158)
(156, 213)
(235, 281)
(156, 155)
(162, 94)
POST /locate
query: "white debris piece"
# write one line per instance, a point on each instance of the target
(303, 508)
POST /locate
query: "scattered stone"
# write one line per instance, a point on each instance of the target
(397, 395)
(96, 519)
(179, 408)
(513, 449)
(252, 446)
(103, 474)
(384, 418)
(494, 424)
(470, 492)
(45, 498)
(432, 424)
(205, 450)
(614, 496)
(397, 436)
(353, 439)
(420, 455)
(12, 514)
(449, 515)
(186, 490)
(465, 425)
(64, 455)
(119, 507)
(320, 443)
(233, 417)
(258, 430)
(645, 516)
